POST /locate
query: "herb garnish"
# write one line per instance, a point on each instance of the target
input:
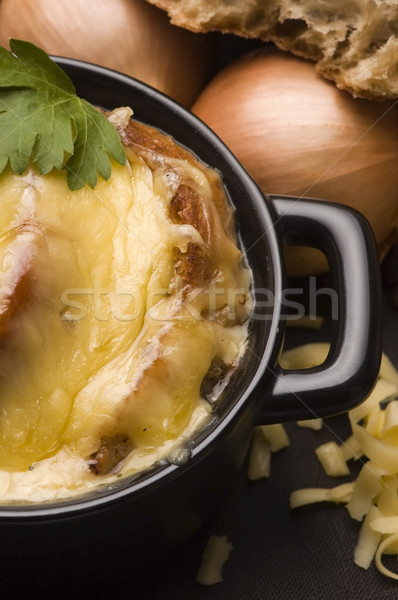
(43, 121)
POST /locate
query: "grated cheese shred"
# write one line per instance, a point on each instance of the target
(215, 554)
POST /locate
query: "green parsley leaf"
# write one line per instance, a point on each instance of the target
(43, 120)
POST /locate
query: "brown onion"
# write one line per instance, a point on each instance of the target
(130, 36)
(297, 134)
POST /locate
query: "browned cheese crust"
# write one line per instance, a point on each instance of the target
(112, 450)
(196, 266)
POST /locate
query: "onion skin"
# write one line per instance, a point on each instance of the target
(298, 134)
(130, 36)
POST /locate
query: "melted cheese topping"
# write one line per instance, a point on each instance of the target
(97, 335)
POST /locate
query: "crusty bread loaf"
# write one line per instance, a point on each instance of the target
(354, 42)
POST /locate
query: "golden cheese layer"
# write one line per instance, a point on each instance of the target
(115, 305)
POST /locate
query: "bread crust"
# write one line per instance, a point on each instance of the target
(353, 42)
(194, 267)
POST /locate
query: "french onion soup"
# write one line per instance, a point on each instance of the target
(123, 315)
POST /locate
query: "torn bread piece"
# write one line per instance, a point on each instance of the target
(353, 42)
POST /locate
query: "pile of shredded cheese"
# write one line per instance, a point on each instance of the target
(372, 498)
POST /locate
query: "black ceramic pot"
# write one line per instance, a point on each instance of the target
(165, 506)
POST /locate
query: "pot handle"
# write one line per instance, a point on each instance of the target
(351, 368)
